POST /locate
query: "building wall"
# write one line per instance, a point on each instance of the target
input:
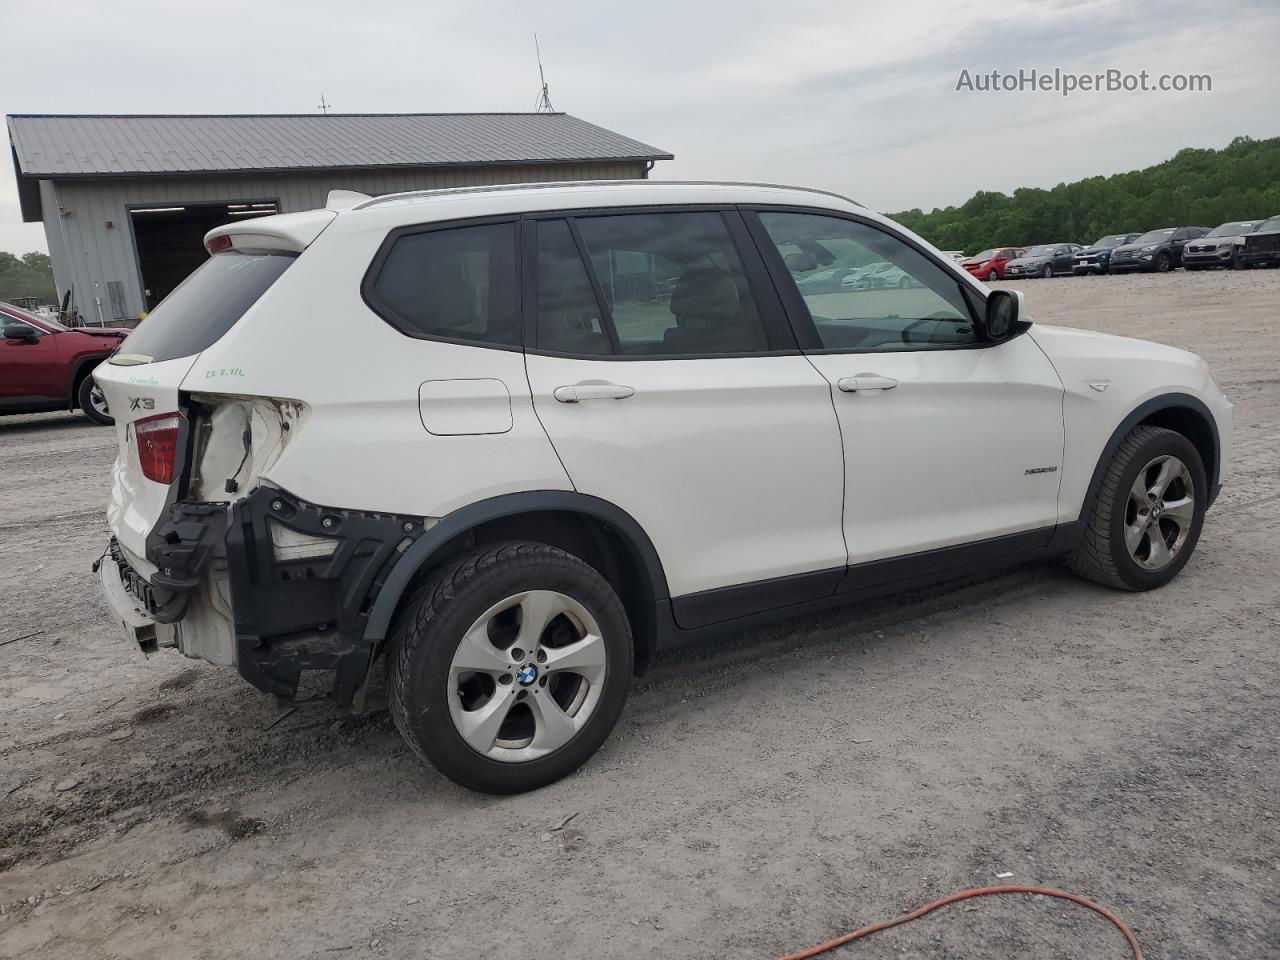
(87, 254)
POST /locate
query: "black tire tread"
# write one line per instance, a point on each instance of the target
(1093, 559)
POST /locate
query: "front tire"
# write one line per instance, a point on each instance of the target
(508, 669)
(1145, 523)
(93, 402)
(992, 276)
(1047, 272)
(1163, 263)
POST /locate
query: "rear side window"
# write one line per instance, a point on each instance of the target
(204, 306)
(453, 284)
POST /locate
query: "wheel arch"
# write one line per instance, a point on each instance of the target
(1180, 412)
(599, 532)
(81, 367)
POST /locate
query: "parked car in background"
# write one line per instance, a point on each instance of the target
(1262, 246)
(1156, 251)
(1220, 247)
(603, 495)
(1043, 260)
(990, 264)
(1096, 258)
(45, 366)
(877, 276)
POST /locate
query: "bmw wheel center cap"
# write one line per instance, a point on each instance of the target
(528, 675)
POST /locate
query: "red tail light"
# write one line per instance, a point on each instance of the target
(157, 439)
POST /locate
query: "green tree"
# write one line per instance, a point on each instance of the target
(30, 275)
(1194, 187)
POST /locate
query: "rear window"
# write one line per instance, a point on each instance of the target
(204, 306)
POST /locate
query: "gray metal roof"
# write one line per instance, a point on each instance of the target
(55, 146)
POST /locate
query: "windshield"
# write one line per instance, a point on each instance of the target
(1044, 250)
(984, 255)
(1112, 241)
(26, 316)
(1236, 228)
(1155, 236)
(203, 307)
(1272, 224)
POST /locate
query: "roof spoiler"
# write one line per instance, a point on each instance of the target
(292, 232)
(344, 199)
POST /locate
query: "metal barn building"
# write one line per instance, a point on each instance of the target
(126, 200)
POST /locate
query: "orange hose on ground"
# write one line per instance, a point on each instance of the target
(965, 895)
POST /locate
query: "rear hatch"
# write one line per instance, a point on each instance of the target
(143, 381)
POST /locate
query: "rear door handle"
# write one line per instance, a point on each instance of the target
(592, 391)
(864, 382)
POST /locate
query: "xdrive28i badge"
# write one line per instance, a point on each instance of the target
(141, 403)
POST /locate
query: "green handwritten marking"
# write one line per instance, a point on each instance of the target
(145, 381)
(224, 372)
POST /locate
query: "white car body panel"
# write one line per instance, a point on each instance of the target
(942, 457)
(1106, 378)
(135, 503)
(731, 465)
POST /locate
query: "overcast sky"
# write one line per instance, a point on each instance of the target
(858, 97)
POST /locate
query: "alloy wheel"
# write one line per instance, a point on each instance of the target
(1160, 512)
(98, 400)
(527, 676)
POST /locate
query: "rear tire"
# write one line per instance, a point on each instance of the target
(463, 650)
(1126, 526)
(93, 402)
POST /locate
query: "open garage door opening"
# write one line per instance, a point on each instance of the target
(170, 239)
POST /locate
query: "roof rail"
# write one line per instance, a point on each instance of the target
(552, 184)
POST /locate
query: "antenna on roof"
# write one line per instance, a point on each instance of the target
(544, 94)
(324, 105)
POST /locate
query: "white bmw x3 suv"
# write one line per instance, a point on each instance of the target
(511, 442)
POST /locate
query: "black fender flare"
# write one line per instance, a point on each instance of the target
(465, 518)
(1165, 401)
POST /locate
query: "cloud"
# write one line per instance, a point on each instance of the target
(854, 97)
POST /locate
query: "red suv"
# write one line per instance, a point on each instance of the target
(989, 264)
(46, 366)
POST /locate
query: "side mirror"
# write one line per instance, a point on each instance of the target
(21, 331)
(1004, 312)
(800, 262)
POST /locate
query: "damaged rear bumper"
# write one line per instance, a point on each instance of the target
(301, 581)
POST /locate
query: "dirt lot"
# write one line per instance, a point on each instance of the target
(794, 783)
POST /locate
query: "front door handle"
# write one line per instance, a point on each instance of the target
(864, 382)
(592, 391)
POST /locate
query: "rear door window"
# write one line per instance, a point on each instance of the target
(673, 284)
(204, 306)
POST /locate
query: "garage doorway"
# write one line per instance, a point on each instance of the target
(169, 239)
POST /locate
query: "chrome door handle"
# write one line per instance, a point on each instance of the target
(864, 382)
(592, 391)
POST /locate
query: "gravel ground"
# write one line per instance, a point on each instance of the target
(756, 798)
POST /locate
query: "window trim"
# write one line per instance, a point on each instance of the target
(806, 332)
(769, 306)
(390, 318)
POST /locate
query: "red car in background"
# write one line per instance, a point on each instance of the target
(46, 366)
(989, 264)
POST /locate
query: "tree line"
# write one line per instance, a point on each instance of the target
(30, 275)
(1193, 188)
